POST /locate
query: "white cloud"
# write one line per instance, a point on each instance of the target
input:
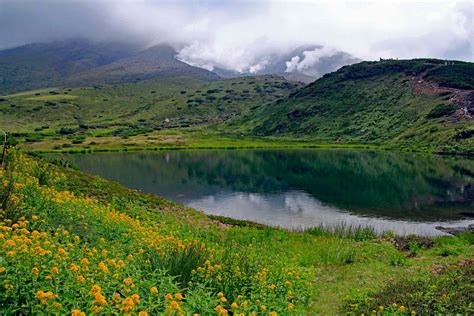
(310, 59)
(241, 35)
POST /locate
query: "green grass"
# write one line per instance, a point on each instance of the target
(374, 104)
(328, 272)
(377, 103)
(151, 105)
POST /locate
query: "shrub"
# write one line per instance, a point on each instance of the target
(441, 110)
(445, 293)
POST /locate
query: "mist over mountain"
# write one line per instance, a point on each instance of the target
(82, 62)
(305, 63)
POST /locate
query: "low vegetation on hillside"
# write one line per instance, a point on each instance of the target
(81, 116)
(72, 243)
(423, 104)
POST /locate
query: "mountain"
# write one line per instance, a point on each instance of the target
(302, 64)
(41, 65)
(422, 103)
(155, 62)
(82, 62)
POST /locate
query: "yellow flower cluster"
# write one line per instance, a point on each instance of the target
(101, 258)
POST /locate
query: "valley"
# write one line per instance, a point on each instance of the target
(223, 192)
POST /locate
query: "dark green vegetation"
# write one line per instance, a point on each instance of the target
(327, 273)
(447, 289)
(424, 104)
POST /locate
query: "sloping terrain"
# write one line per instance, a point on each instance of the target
(42, 65)
(77, 244)
(135, 108)
(155, 62)
(82, 62)
(425, 103)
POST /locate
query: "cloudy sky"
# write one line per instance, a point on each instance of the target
(235, 34)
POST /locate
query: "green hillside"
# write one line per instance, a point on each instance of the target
(423, 104)
(134, 109)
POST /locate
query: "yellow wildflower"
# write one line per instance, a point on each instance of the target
(178, 296)
(44, 296)
(154, 290)
(99, 298)
(95, 289)
(103, 267)
(175, 305)
(135, 298)
(77, 312)
(85, 261)
(234, 305)
(96, 309)
(75, 268)
(127, 305)
(169, 297)
(143, 313)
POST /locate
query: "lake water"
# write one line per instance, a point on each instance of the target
(296, 189)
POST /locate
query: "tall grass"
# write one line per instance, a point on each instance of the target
(343, 230)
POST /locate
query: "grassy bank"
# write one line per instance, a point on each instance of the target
(73, 243)
(179, 139)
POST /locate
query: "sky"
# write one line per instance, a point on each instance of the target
(236, 34)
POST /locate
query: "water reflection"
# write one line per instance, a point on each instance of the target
(299, 210)
(301, 188)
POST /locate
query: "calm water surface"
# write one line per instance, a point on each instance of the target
(296, 189)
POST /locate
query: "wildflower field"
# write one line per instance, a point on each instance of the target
(80, 245)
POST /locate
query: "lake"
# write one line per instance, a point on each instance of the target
(297, 189)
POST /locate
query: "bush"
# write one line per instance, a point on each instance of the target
(441, 110)
(445, 293)
(66, 131)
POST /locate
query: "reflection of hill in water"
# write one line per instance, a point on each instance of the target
(383, 184)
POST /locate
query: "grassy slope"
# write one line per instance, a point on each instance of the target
(327, 273)
(377, 103)
(133, 109)
(382, 104)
